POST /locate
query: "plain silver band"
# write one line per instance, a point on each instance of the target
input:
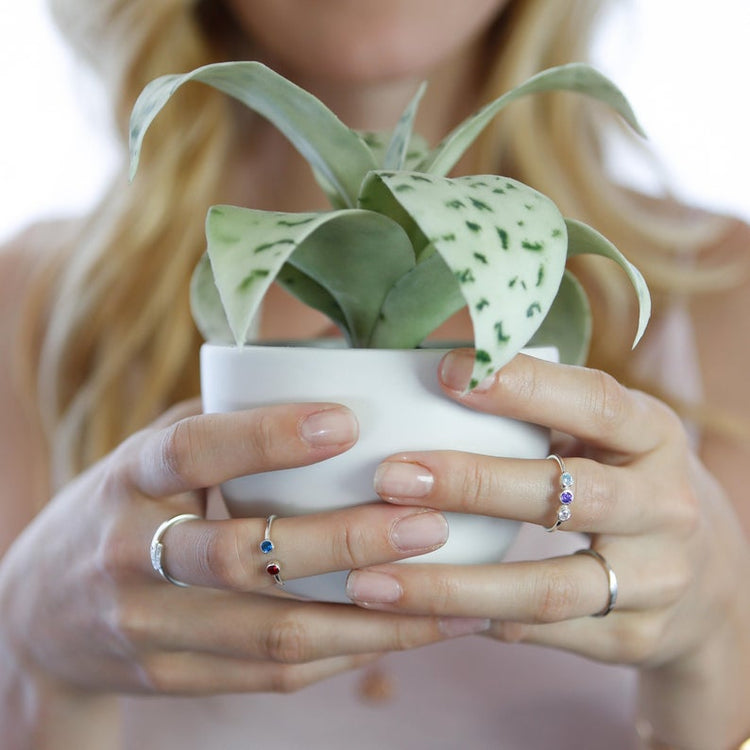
(157, 546)
(611, 579)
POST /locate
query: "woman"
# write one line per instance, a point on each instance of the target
(87, 620)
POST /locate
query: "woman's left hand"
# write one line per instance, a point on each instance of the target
(652, 511)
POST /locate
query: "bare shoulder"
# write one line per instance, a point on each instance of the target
(22, 455)
(722, 326)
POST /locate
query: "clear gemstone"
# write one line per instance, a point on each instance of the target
(563, 514)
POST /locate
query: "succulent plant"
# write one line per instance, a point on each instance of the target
(403, 246)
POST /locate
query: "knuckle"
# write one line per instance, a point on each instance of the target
(349, 546)
(405, 636)
(596, 484)
(557, 595)
(180, 448)
(287, 641)
(262, 437)
(639, 642)
(477, 488)
(219, 556)
(520, 379)
(608, 403)
(288, 678)
(444, 594)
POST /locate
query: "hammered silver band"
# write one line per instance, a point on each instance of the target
(273, 568)
(566, 494)
(611, 580)
(157, 546)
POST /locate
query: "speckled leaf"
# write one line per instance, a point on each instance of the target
(398, 148)
(419, 302)
(577, 77)
(505, 243)
(356, 257)
(333, 150)
(205, 305)
(568, 323)
(247, 249)
(582, 239)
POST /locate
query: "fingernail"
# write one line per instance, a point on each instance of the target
(455, 627)
(329, 427)
(366, 587)
(420, 531)
(456, 371)
(397, 479)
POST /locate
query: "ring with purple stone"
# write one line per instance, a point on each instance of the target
(566, 494)
(273, 568)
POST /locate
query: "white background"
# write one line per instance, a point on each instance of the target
(684, 64)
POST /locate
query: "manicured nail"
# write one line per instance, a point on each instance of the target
(455, 627)
(329, 427)
(397, 479)
(367, 587)
(456, 369)
(421, 531)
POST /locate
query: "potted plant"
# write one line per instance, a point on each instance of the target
(402, 249)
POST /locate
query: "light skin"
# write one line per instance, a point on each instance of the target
(89, 617)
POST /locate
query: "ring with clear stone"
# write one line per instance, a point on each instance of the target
(273, 568)
(566, 495)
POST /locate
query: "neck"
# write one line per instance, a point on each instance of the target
(278, 178)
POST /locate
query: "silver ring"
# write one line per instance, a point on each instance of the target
(157, 546)
(611, 580)
(273, 568)
(566, 495)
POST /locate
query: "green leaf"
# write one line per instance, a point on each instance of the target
(582, 239)
(419, 302)
(301, 286)
(205, 305)
(568, 323)
(504, 242)
(333, 150)
(576, 77)
(356, 257)
(398, 148)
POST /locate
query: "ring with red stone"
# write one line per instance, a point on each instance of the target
(273, 568)
(566, 494)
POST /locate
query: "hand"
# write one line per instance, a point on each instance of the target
(649, 506)
(83, 608)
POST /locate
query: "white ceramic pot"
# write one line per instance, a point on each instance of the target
(399, 406)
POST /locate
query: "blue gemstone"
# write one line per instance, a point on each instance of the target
(566, 479)
(566, 497)
(266, 546)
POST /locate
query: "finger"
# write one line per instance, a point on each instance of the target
(207, 449)
(606, 498)
(287, 631)
(588, 404)
(543, 591)
(186, 673)
(226, 554)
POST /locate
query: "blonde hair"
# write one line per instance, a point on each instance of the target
(117, 342)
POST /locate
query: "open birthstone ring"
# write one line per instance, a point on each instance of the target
(566, 495)
(273, 568)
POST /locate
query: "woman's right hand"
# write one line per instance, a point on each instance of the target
(85, 612)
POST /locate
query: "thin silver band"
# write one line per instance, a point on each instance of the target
(157, 546)
(611, 580)
(566, 495)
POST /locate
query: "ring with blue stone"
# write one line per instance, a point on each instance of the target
(566, 495)
(273, 568)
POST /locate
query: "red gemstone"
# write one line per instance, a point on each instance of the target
(273, 569)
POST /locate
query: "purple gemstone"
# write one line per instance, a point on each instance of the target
(566, 497)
